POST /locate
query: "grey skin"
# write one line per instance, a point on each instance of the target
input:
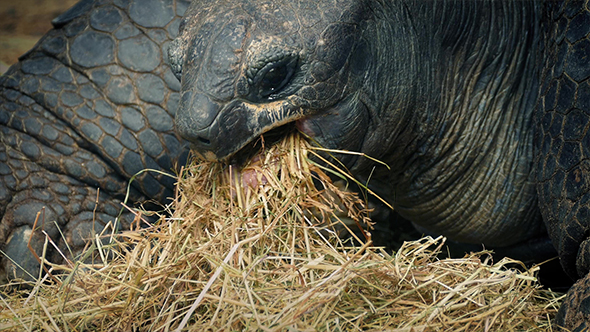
(480, 108)
(81, 113)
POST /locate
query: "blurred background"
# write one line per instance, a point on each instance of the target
(22, 23)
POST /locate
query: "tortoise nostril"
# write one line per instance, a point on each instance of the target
(204, 140)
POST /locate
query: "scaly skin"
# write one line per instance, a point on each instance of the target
(86, 109)
(562, 156)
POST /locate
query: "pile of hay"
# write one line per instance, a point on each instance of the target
(268, 257)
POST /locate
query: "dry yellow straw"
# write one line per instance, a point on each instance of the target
(257, 249)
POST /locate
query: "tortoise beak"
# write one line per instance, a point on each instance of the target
(216, 132)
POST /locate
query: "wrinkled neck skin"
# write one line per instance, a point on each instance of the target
(461, 148)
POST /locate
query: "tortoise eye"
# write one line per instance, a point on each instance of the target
(274, 77)
(274, 80)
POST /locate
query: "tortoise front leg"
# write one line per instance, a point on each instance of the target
(563, 151)
(72, 211)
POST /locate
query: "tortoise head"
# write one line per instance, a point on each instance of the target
(247, 67)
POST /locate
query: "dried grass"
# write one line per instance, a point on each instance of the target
(265, 258)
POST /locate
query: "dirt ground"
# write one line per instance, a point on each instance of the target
(23, 22)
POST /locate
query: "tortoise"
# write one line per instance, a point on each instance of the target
(481, 110)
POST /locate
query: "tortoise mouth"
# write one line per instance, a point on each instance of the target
(262, 142)
(235, 127)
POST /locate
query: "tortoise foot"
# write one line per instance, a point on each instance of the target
(574, 314)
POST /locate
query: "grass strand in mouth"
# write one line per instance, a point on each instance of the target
(268, 257)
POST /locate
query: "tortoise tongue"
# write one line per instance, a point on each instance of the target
(249, 161)
(304, 125)
(249, 177)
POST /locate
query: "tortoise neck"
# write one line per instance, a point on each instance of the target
(470, 176)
